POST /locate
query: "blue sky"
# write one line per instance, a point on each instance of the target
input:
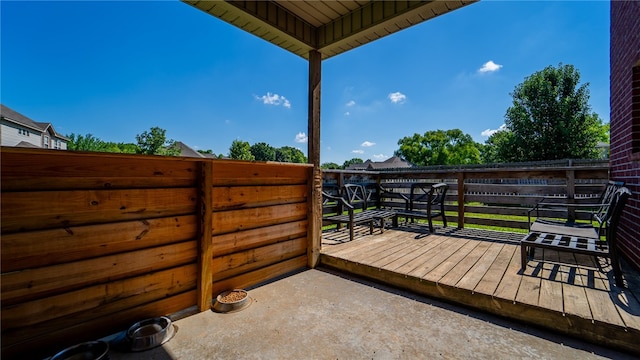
(116, 69)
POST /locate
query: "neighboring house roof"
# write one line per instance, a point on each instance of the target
(393, 162)
(24, 144)
(15, 117)
(187, 151)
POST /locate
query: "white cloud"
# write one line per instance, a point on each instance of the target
(301, 137)
(367, 144)
(490, 132)
(351, 103)
(489, 66)
(358, 151)
(379, 156)
(274, 99)
(397, 97)
(347, 113)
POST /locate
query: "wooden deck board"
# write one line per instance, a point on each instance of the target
(461, 269)
(396, 253)
(480, 268)
(529, 289)
(561, 291)
(440, 253)
(508, 287)
(450, 262)
(399, 255)
(372, 253)
(409, 262)
(490, 280)
(550, 289)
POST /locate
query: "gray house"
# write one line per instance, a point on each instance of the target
(19, 131)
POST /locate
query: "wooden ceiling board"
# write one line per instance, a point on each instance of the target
(329, 26)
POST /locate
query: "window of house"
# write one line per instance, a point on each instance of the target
(46, 142)
(23, 132)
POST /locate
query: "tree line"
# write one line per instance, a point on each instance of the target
(155, 142)
(549, 119)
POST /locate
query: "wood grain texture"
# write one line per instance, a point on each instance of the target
(252, 218)
(27, 211)
(34, 249)
(28, 285)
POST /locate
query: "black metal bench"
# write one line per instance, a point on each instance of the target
(580, 239)
(355, 197)
(426, 201)
(579, 215)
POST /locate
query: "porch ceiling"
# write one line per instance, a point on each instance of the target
(330, 27)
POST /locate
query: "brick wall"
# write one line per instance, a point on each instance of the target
(625, 118)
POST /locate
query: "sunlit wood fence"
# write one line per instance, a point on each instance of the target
(92, 243)
(487, 195)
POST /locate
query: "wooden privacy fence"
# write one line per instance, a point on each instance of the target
(92, 243)
(481, 196)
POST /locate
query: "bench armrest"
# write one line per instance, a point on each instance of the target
(340, 200)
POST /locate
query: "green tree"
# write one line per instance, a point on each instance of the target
(263, 152)
(352, 161)
(498, 147)
(439, 147)
(154, 142)
(240, 150)
(85, 143)
(291, 155)
(549, 119)
(330, 165)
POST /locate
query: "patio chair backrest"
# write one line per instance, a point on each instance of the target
(428, 194)
(601, 213)
(612, 219)
(355, 195)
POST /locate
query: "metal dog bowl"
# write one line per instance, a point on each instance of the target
(232, 300)
(92, 350)
(149, 333)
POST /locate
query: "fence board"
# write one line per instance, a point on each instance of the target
(102, 299)
(244, 219)
(98, 300)
(234, 197)
(55, 246)
(31, 284)
(100, 327)
(59, 170)
(228, 172)
(44, 209)
(260, 275)
(245, 261)
(247, 239)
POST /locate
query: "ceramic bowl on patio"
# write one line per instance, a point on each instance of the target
(150, 333)
(92, 350)
(232, 300)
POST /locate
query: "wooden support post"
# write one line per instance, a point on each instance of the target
(461, 199)
(313, 146)
(571, 194)
(205, 272)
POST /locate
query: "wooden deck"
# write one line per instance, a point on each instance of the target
(481, 269)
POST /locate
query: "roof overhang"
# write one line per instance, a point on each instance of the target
(329, 27)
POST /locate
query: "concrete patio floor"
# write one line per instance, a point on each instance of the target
(318, 314)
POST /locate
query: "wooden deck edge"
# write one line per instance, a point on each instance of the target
(603, 334)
